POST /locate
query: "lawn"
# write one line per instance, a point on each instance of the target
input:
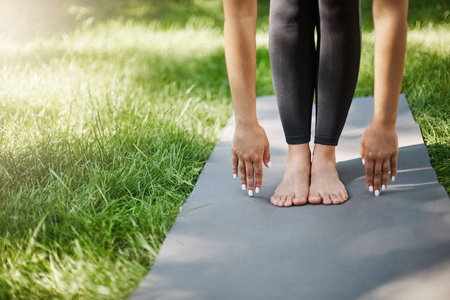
(110, 109)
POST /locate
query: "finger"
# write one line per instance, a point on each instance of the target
(369, 174)
(242, 174)
(361, 152)
(266, 156)
(385, 175)
(393, 167)
(249, 177)
(258, 176)
(377, 172)
(361, 148)
(234, 165)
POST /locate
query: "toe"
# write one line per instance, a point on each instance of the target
(326, 199)
(344, 196)
(335, 199)
(300, 200)
(281, 201)
(314, 199)
(277, 199)
(288, 201)
(274, 199)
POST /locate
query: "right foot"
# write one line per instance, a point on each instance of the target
(293, 190)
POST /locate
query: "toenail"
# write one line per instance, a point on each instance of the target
(243, 187)
(383, 187)
(250, 193)
(377, 193)
(370, 188)
(257, 190)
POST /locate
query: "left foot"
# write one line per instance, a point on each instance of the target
(325, 185)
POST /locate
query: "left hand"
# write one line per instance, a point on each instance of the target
(379, 150)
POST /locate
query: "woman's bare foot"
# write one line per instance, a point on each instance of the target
(293, 190)
(325, 184)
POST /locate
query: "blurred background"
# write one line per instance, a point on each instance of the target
(109, 110)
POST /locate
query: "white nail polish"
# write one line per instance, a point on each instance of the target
(377, 193)
(370, 188)
(250, 193)
(383, 187)
(393, 178)
(363, 161)
(243, 187)
(269, 164)
(257, 190)
(234, 176)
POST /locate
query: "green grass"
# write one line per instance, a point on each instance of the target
(108, 112)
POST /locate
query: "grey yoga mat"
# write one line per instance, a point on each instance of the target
(226, 245)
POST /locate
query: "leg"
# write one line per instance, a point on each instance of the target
(339, 55)
(338, 67)
(293, 63)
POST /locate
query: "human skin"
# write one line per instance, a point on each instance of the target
(379, 147)
(250, 148)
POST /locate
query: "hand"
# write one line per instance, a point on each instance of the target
(250, 149)
(379, 150)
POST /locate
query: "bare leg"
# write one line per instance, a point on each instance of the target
(325, 186)
(293, 190)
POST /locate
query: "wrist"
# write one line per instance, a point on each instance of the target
(385, 118)
(383, 124)
(246, 122)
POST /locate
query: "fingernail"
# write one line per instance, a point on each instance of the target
(383, 187)
(234, 176)
(377, 193)
(243, 187)
(257, 190)
(269, 164)
(393, 178)
(363, 161)
(250, 193)
(370, 188)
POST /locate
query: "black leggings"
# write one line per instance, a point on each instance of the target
(299, 68)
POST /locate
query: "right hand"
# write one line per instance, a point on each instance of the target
(250, 149)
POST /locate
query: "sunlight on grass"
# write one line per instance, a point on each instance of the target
(104, 131)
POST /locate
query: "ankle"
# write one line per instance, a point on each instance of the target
(324, 152)
(324, 148)
(299, 152)
(298, 159)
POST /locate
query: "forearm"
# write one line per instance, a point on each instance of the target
(240, 53)
(390, 20)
